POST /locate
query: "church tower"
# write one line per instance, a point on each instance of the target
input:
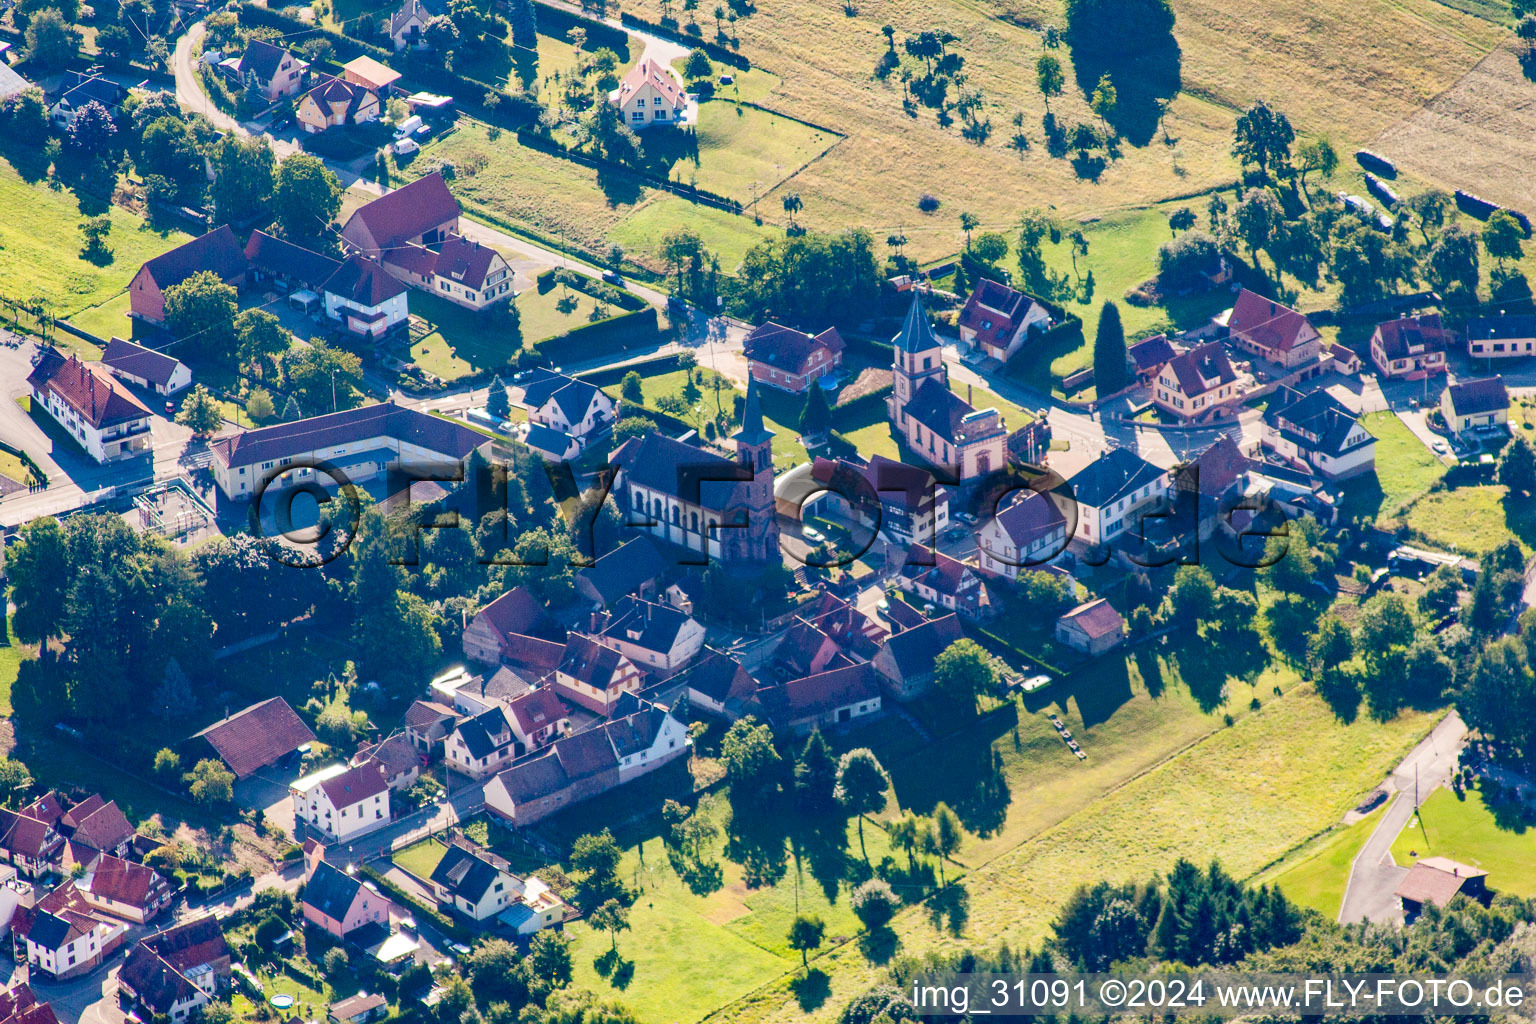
(759, 542)
(919, 358)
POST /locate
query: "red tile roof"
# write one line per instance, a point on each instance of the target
(1095, 619)
(1201, 369)
(408, 212)
(105, 828)
(994, 311)
(648, 71)
(279, 256)
(94, 395)
(1267, 323)
(218, 251)
(789, 350)
(355, 784)
(259, 735)
(822, 693)
(538, 710)
(1435, 880)
(126, 882)
(1425, 333)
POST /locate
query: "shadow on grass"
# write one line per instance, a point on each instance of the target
(950, 909)
(969, 777)
(879, 945)
(811, 990)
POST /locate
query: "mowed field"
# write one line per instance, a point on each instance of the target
(1349, 71)
(1466, 829)
(40, 247)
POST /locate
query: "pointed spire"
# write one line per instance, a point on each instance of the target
(752, 430)
(916, 335)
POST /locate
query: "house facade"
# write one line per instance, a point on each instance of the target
(146, 368)
(656, 637)
(1502, 337)
(1412, 346)
(1316, 433)
(650, 94)
(595, 675)
(421, 213)
(465, 273)
(100, 414)
(1272, 331)
(340, 903)
(217, 252)
(1475, 403)
(365, 299)
(1108, 496)
(579, 412)
(1197, 385)
(335, 103)
(271, 70)
(342, 802)
(822, 701)
(1093, 628)
(1029, 532)
(790, 360)
(481, 886)
(997, 319)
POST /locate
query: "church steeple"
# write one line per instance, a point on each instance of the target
(754, 441)
(916, 334)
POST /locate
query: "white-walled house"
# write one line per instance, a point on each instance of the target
(107, 421)
(163, 374)
(342, 802)
(480, 885)
(656, 636)
(365, 298)
(1109, 494)
(1317, 433)
(650, 94)
(1029, 532)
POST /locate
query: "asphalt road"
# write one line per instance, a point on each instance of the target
(1374, 876)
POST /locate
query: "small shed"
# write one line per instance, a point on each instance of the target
(359, 1009)
(1438, 880)
(1092, 628)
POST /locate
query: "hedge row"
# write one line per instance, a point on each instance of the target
(610, 375)
(511, 110)
(599, 33)
(600, 290)
(715, 50)
(864, 404)
(998, 645)
(26, 460)
(442, 922)
(627, 330)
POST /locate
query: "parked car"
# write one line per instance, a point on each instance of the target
(812, 534)
(405, 147)
(1440, 447)
(612, 277)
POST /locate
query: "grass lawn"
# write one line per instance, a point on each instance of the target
(1474, 520)
(420, 859)
(107, 320)
(39, 253)
(734, 147)
(461, 341)
(1405, 469)
(560, 201)
(1466, 830)
(12, 467)
(1315, 876)
(12, 654)
(752, 85)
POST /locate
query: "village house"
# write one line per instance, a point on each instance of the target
(271, 70)
(1027, 533)
(365, 299)
(516, 613)
(1197, 385)
(423, 212)
(1438, 880)
(479, 885)
(657, 637)
(1150, 355)
(99, 413)
(1207, 487)
(1092, 628)
(822, 701)
(341, 802)
(998, 319)
(93, 828)
(719, 685)
(481, 744)
(691, 497)
(1467, 404)
(905, 661)
(63, 936)
(1108, 495)
(1316, 433)
(465, 273)
(395, 756)
(125, 889)
(641, 738)
(428, 725)
(595, 675)
(904, 503)
(217, 252)
(370, 74)
(287, 267)
(1273, 332)
(939, 425)
(630, 569)
(363, 442)
(1412, 347)
(264, 734)
(359, 1009)
(340, 903)
(18, 1004)
(146, 368)
(792, 360)
(335, 103)
(29, 844)
(574, 409)
(938, 579)
(650, 94)
(408, 24)
(1501, 337)
(805, 649)
(171, 973)
(81, 90)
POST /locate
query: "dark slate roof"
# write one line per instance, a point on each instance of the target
(1112, 476)
(787, 349)
(1030, 517)
(331, 890)
(95, 396)
(586, 753)
(1500, 328)
(659, 463)
(915, 649)
(635, 731)
(388, 420)
(468, 870)
(1476, 396)
(1317, 413)
(716, 675)
(752, 431)
(155, 367)
(589, 661)
(259, 735)
(1150, 353)
(480, 733)
(537, 776)
(624, 570)
(409, 211)
(218, 251)
(261, 59)
(364, 282)
(645, 624)
(157, 984)
(279, 256)
(519, 611)
(916, 334)
(93, 88)
(573, 396)
(950, 416)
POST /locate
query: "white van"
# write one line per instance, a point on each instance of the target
(405, 129)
